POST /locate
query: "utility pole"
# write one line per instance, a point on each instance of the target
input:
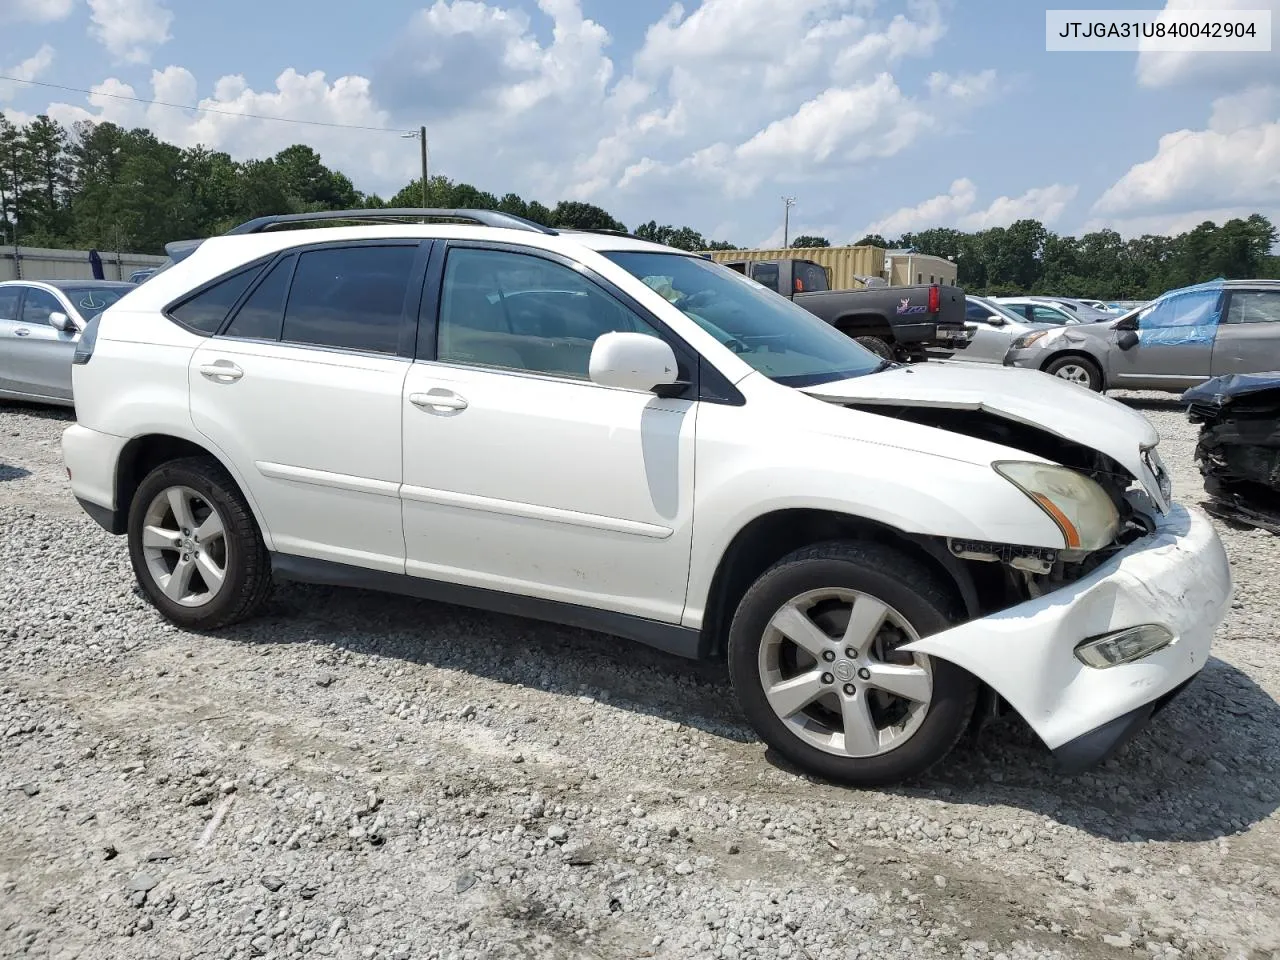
(788, 202)
(421, 137)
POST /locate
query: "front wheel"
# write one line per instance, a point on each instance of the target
(195, 546)
(1078, 370)
(815, 664)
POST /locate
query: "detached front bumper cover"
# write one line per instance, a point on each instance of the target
(1178, 578)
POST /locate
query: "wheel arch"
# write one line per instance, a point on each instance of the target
(769, 537)
(866, 325)
(144, 453)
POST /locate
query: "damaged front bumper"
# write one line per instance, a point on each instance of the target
(1177, 578)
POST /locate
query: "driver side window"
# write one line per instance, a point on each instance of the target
(38, 306)
(521, 312)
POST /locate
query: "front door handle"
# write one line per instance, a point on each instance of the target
(23, 332)
(441, 400)
(221, 371)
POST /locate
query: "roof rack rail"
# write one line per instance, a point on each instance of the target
(487, 218)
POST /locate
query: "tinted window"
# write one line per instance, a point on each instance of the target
(206, 311)
(261, 316)
(809, 277)
(39, 305)
(765, 274)
(976, 312)
(349, 297)
(1249, 306)
(781, 340)
(524, 313)
(9, 297)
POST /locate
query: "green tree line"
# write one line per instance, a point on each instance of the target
(100, 185)
(1026, 257)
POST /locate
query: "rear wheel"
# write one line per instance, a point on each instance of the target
(815, 661)
(1079, 370)
(195, 546)
(880, 347)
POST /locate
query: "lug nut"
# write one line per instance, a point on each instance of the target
(828, 678)
(828, 656)
(864, 673)
(850, 689)
(851, 653)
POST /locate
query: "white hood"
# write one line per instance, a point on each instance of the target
(1026, 396)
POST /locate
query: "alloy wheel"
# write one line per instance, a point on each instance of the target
(831, 671)
(184, 544)
(1073, 372)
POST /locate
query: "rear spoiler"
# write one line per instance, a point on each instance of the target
(179, 250)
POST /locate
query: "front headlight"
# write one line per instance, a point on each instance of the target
(1027, 339)
(1081, 509)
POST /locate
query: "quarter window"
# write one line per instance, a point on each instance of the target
(1254, 306)
(350, 297)
(207, 310)
(521, 312)
(261, 316)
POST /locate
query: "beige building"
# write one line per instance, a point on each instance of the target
(847, 266)
(906, 268)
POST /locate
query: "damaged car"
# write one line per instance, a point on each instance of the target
(599, 431)
(1238, 449)
(1180, 339)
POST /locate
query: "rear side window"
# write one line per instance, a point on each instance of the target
(207, 310)
(350, 297)
(261, 316)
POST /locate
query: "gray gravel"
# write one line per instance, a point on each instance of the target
(355, 775)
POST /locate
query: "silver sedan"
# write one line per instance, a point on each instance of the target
(40, 325)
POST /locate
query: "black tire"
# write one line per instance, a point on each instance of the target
(247, 563)
(922, 599)
(1084, 364)
(877, 345)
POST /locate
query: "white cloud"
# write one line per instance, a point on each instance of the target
(728, 100)
(130, 29)
(956, 208)
(965, 87)
(35, 11)
(1168, 225)
(1162, 68)
(1235, 162)
(379, 157)
(28, 69)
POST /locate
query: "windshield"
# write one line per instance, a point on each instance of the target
(784, 342)
(1000, 308)
(91, 301)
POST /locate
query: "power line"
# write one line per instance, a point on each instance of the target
(225, 113)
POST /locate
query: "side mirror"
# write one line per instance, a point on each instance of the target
(632, 361)
(1129, 324)
(996, 320)
(60, 321)
(1127, 340)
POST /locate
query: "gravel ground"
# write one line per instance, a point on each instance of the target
(355, 775)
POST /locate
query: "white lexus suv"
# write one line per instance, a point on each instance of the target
(595, 430)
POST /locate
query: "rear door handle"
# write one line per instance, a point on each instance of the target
(221, 371)
(438, 400)
(22, 332)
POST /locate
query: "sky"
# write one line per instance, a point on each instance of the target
(876, 116)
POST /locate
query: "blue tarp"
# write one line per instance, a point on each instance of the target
(1187, 315)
